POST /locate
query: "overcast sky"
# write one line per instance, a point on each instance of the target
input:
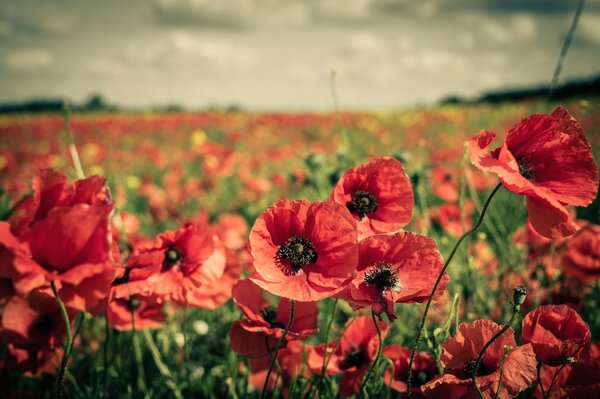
(279, 54)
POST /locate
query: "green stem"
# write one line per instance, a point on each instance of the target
(137, 353)
(263, 394)
(539, 369)
(515, 313)
(366, 379)
(547, 394)
(437, 283)
(333, 349)
(565, 47)
(324, 368)
(393, 373)
(68, 346)
(162, 368)
(506, 350)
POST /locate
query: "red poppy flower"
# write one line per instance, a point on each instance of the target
(257, 334)
(548, 159)
(394, 268)
(582, 255)
(75, 257)
(304, 250)
(556, 332)
(378, 194)
(51, 189)
(179, 262)
(147, 313)
(33, 362)
(447, 216)
(460, 355)
(353, 356)
(424, 369)
(34, 323)
(216, 294)
(444, 183)
(571, 381)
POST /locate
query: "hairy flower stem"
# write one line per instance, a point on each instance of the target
(504, 355)
(515, 313)
(68, 347)
(437, 283)
(263, 394)
(366, 379)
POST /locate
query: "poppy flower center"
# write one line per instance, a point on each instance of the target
(421, 378)
(269, 314)
(299, 251)
(123, 279)
(383, 276)
(172, 257)
(469, 368)
(133, 303)
(362, 203)
(43, 324)
(354, 357)
(526, 168)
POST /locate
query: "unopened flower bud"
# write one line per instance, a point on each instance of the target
(519, 294)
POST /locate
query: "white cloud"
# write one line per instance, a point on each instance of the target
(520, 28)
(220, 53)
(363, 43)
(29, 60)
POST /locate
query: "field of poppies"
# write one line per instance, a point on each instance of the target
(412, 254)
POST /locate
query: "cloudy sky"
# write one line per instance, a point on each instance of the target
(279, 54)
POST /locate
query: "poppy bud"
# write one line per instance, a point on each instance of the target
(519, 294)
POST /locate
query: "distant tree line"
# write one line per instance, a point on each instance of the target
(582, 88)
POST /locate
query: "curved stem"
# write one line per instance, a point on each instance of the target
(392, 374)
(547, 394)
(366, 379)
(162, 368)
(263, 394)
(69, 345)
(516, 309)
(539, 380)
(437, 283)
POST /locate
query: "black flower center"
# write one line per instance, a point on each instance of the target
(269, 314)
(526, 168)
(383, 276)
(421, 378)
(362, 203)
(172, 257)
(299, 251)
(133, 303)
(354, 357)
(469, 368)
(43, 324)
(123, 279)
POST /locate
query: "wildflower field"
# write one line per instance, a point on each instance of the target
(234, 255)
